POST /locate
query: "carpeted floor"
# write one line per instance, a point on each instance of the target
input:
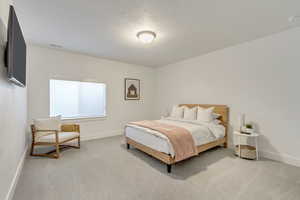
(105, 170)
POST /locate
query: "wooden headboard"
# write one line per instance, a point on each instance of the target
(223, 110)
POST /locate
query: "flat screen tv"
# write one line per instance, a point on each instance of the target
(15, 51)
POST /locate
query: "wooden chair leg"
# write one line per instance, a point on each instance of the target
(57, 144)
(57, 150)
(48, 154)
(225, 145)
(79, 142)
(31, 149)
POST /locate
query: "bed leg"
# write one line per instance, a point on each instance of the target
(225, 145)
(128, 146)
(169, 167)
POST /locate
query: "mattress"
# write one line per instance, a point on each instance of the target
(202, 133)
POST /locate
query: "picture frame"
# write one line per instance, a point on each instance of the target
(132, 89)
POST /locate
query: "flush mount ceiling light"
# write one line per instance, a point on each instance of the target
(146, 36)
(294, 19)
(55, 46)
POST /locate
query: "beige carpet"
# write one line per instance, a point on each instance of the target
(103, 169)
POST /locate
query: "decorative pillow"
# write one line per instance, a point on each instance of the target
(216, 115)
(190, 113)
(216, 121)
(177, 112)
(52, 123)
(205, 115)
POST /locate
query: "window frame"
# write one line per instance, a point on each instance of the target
(82, 118)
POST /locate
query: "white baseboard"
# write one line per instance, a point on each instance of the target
(15, 180)
(102, 134)
(281, 157)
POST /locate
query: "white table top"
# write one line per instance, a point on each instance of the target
(245, 135)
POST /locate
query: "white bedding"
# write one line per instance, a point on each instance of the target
(202, 133)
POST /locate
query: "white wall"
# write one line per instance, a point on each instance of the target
(258, 78)
(13, 116)
(46, 63)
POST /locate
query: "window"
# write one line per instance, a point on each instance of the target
(75, 99)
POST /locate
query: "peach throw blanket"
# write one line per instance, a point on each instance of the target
(180, 138)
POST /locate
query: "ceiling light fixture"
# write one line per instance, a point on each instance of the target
(146, 36)
(55, 46)
(294, 19)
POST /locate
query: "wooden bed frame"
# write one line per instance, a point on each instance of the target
(223, 110)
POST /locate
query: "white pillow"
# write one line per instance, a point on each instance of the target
(216, 115)
(177, 112)
(190, 113)
(216, 121)
(205, 115)
(52, 123)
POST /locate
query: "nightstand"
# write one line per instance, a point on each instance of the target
(245, 150)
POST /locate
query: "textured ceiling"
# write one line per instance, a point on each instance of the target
(185, 28)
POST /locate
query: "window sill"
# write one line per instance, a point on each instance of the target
(83, 119)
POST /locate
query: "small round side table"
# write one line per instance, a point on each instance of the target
(252, 135)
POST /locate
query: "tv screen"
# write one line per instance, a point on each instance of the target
(16, 50)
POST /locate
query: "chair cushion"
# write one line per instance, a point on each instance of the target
(52, 123)
(62, 136)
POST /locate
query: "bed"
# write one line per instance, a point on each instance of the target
(206, 136)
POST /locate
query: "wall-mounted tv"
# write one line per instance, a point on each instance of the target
(15, 51)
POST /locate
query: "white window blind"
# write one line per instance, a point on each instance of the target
(76, 99)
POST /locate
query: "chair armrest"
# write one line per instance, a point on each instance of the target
(70, 128)
(35, 132)
(39, 133)
(46, 131)
(49, 132)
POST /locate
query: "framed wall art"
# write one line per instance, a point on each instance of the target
(132, 89)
